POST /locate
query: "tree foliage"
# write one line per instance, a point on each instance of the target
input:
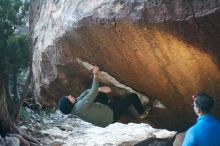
(12, 15)
(14, 56)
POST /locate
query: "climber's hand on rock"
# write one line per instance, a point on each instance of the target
(95, 70)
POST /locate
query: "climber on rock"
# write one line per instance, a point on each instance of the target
(93, 105)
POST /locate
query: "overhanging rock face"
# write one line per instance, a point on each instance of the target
(168, 50)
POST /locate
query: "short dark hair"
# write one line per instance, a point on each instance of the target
(65, 106)
(204, 102)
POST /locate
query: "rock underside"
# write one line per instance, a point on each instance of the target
(165, 50)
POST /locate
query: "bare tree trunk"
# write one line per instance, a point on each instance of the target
(8, 96)
(6, 124)
(5, 121)
(15, 88)
(23, 94)
(6, 79)
(16, 98)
